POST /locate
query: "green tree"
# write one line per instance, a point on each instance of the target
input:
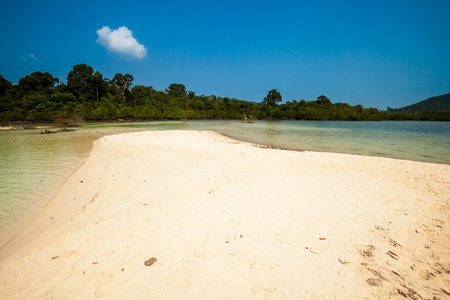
(122, 82)
(176, 90)
(63, 98)
(142, 93)
(100, 84)
(272, 98)
(37, 81)
(80, 82)
(323, 100)
(191, 95)
(4, 86)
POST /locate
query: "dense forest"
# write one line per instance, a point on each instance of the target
(89, 96)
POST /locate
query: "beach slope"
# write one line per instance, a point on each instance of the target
(196, 215)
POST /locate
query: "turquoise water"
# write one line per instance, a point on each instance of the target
(33, 166)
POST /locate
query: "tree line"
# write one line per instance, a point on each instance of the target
(88, 95)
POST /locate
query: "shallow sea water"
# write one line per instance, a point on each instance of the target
(33, 166)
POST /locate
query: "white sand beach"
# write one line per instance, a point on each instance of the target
(196, 215)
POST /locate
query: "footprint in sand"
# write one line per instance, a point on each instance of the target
(317, 250)
(367, 250)
(321, 247)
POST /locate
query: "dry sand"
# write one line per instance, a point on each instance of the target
(195, 215)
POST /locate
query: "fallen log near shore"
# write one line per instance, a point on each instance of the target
(45, 131)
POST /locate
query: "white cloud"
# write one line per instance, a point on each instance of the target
(30, 56)
(121, 41)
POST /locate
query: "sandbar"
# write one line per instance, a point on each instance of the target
(196, 215)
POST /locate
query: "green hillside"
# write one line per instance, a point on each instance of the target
(437, 103)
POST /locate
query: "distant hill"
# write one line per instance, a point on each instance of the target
(431, 104)
(253, 102)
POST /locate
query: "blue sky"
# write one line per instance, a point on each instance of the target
(374, 53)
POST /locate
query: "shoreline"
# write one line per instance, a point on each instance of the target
(263, 222)
(24, 127)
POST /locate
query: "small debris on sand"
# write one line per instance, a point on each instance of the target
(374, 282)
(150, 262)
